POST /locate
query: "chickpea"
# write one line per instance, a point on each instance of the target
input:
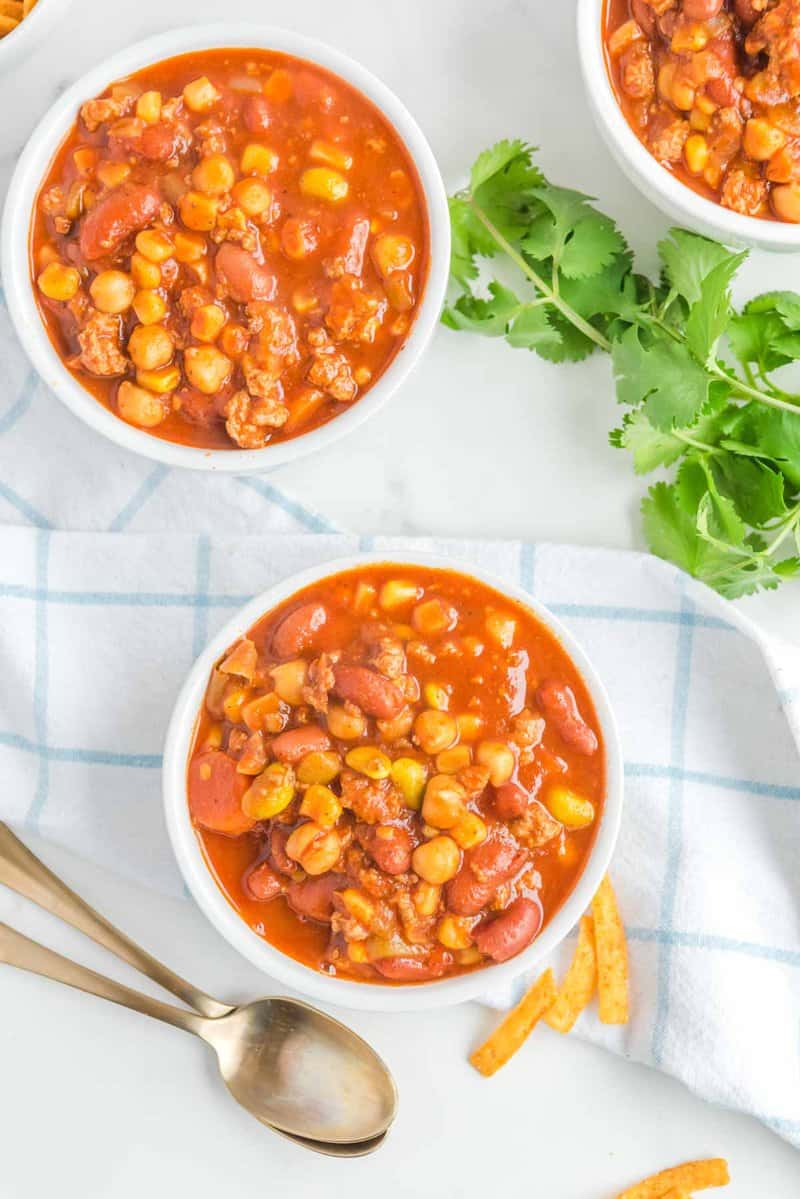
(436, 861)
(391, 252)
(435, 731)
(154, 245)
(330, 155)
(59, 282)
(345, 725)
(570, 808)
(314, 848)
(213, 175)
(112, 291)
(397, 593)
(786, 202)
(289, 679)
(189, 247)
(450, 761)
(321, 805)
(148, 107)
(138, 406)
(198, 211)
(499, 758)
(150, 307)
(453, 932)
(320, 766)
(207, 368)
(208, 322)
(258, 160)
(469, 831)
(150, 346)
(253, 196)
(443, 803)
(146, 274)
(397, 727)
(161, 381)
(426, 898)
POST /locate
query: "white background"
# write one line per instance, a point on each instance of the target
(98, 1104)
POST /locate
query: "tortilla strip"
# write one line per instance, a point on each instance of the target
(612, 957)
(516, 1027)
(690, 1177)
(579, 983)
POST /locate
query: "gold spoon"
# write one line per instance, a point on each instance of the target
(294, 1068)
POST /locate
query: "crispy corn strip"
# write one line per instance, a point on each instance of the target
(516, 1027)
(685, 1179)
(7, 25)
(579, 982)
(28, 6)
(12, 8)
(612, 956)
(675, 1194)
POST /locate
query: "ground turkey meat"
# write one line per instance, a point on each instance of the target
(319, 682)
(329, 369)
(744, 193)
(536, 827)
(386, 655)
(636, 66)
(250, 419)
(355, 314)
(667, 144)
(375, 801)
(99, 340)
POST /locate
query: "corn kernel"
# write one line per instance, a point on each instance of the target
(623, 37)
(200, 95)
(264, 714)
(111, 174)
(391, 252)
(269, 793)
(453, 933)
(369, 761)
(570, 808)
(469, 957)
(762, 139)
(321, 805)
(425, 897)
(213, 175)
(154, 245)
(410, 776)
(320, 766)
(434, 617)
(213, 738)
(450, 761)
(330, 155)
(59, 282)
(198, 211)
(85, 159)
(322, 183)
(499, 758)
(253, 196)
(148, 107)
(698, 120)
(258, 160)
(695, 151)
(437, 861)
(146, 274)
(207, 322)
(469, 831)
(161, 381)
(500, 628)
(344, 725)
(189, 247)
(690, 38)
(139, 406)
(706, 104)
(279, 86)
(469, 726)
(359, 905)
(396, 593)
(150, 307)
(357, 952)
(289, 679)
(436, 696)
(305, 300)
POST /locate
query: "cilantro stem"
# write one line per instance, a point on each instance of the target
(752, 393)
(566, 311)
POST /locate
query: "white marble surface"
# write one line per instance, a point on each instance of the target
(99, 1105)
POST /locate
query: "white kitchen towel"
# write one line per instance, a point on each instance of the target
(97, 632)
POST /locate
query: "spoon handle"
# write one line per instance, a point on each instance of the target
(22, 871)
(18, 950)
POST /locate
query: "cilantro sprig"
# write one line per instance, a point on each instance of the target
(695, 375)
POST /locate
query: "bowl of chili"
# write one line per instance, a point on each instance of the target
(696, 101)
(404, 774)
(226, 247)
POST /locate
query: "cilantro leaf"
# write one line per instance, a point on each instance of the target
(710, 314)
(489, 317)
(594, 243)
(670, 531)
(688, 258)
(663, 376)
(650, 447)
(774, 434)
(532, 330)
(753, 337)
(756, 488)
(498, 158)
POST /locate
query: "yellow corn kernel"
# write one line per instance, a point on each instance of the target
(269, 793)
(189, 247)
(85, 159)
(148, 107)
(330, 155)
(112, 291)
(253, 196)
(469, 957)
(359, 905)
(207, 322)
(302, 406)
(435, 731)
(316, 849)
(198, 211)
(150, 307)
(362, 375)
(713, 173)
(357, 952)
(500, 628)
(469, 831)
(322, 183)
(236, 696)
(145, 274)
(150, 346)
(469, 726)
(410, 777)
(364, 598)
(571, 809)
(59, 282)
(425, 898)
(279, 86)
(207, 368)
(321, 805)
(397, 593)
(304, 300)
(499, 758)
(706, 104)
(139, 406)
(111, 174)
(436, 696)
(320, 766)
(161, 381)
(666, 77)
(369, 761)
(437, 861)
(453, 933)
(391, 252)
(213, 175)
(690, 38)
(450, 761)
(443, 803)
(289, 679)
(699, 121)
(200, 95)
(264, 714)
(213, 738)
(682, 94)
(786, 202)
(762, 139)
(154, 245)
(344, 725)
(695, 151)
(47, 254)
(433, 617)
(623, 37)
(258, 159)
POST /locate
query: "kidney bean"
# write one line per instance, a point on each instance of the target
(313, 898)
(702, 10)
(559, 705)
(255, 113)
(242, 276)
(644, 17)
(746, 11)
(158, 143)
(351, 245)
(124, 211)
(280, 859)
(297, 631)
(263, 883)
(502, 937)
(370, 691)
(510, 801)
(388, 845)
(484, 869)
(409, 970)
(294, 744)
(215, 794)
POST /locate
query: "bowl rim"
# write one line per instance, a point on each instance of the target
(363, 996)
(676, 198)
(33, 164)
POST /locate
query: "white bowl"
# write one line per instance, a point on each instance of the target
(33, 165)
(659, 185)
(367, 996)
(38, 25)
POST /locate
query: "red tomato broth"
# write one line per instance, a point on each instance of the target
(384, 192)
(738, 141)
(491, 685)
